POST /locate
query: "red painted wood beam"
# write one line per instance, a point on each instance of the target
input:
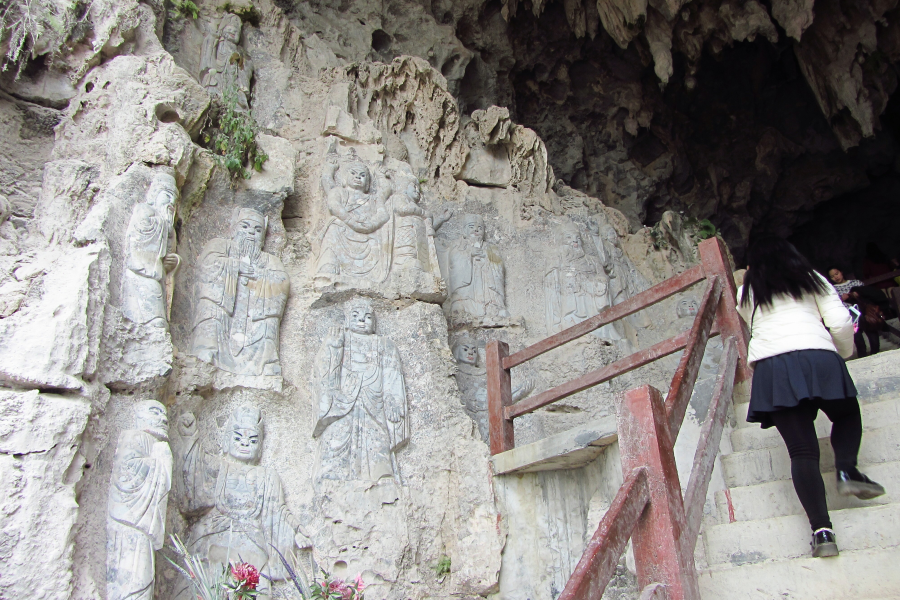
(708, 448)
(660, 551)
(598, 562)
(655, 294)
(686, 374)
(499, 391)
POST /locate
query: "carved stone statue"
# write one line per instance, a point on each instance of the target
(471, 377)
(475, 275)
(237, 506)
(624, 279)
(687, 307)
(358, 236)
(149, 254)
(138, 496)
(576, 287)
(223, 62)
(361, 400)
(414, 229)
(241, 294)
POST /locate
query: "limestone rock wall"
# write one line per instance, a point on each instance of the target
(315, 310)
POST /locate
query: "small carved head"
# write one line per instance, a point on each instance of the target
(413, 191)
(231, 28)
(465, 350)
(243, 434)
(473, 227)
(357, 176)
(608, 232)
(150, 416)
(360, 316)
(568, 236)
(687, 307)
(249, 228)
(163, 193)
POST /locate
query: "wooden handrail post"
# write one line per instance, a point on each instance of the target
(715, 262)
(499, 391)
(660, 552)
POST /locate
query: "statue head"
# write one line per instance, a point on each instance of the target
(568, 236)
(249, 231)
(473, 228)
(608, 232)
(243, 434)
(357, 176)
(163, 193)
(231, 28)
(413, 191)
(687, 307)
(465, 350)
(360, 316)
(150, 416)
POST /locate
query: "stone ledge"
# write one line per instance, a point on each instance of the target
(567, 450)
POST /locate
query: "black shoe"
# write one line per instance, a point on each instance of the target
(856, 484)
(824, 543)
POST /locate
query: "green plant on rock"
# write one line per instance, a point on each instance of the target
(185, 8)
(247, 12)
(231, 135)
(442, 567)
(30, 28)
(706, 229)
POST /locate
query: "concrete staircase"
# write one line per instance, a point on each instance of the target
(760, 548)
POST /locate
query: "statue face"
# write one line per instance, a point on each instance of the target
(361, 320)
(232, 33)
(251, 232)
(474, 231)
(687, 307)
(610, 234)
(165, 202)
(571, 239)
(413, 191)
(358, 178)
(244, 444)
(151, 417)
(467, 352)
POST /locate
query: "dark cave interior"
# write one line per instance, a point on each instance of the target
(737, 138)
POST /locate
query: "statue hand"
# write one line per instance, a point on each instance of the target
(170, 261)
(187, 425)
(393, 413)
(246, 269)
(335, 337)
(302, 542)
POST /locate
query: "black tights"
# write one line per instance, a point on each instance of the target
(799, 433)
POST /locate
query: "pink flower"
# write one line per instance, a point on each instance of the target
(246, 574)
(360, 586)
(342, 588)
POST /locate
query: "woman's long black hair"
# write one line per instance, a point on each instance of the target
(776, 268)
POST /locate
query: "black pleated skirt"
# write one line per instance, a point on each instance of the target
(784, 380)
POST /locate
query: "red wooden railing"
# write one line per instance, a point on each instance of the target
(649, 507)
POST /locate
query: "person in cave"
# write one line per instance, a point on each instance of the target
(800, 332)
(874, 307)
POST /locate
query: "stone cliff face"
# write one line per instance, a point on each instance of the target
(746, 113)
(437, 176)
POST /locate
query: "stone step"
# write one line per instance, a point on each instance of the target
(778, 498)
(859, 575)
(773, 464)
(874, 416)
(748, 542)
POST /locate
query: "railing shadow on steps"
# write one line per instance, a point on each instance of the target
(649, 507)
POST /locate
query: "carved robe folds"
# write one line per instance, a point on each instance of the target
(149, 238)
(238, 316)
(243, 512)
(362, 408)
(138, 496)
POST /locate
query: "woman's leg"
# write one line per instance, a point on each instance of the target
(796, 426)
(874, 342)
(846, 431)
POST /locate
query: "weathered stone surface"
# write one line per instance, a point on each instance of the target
(39, 466)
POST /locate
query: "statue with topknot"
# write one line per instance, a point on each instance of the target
(360, 394)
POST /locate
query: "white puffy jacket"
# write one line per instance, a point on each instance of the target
(791, 324)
